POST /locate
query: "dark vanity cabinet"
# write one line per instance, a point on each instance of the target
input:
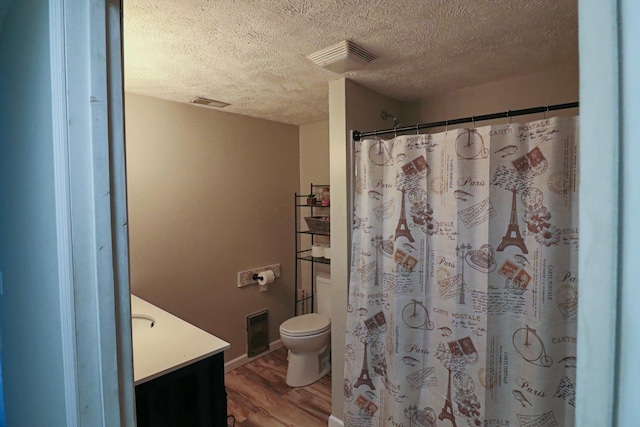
(192, 396)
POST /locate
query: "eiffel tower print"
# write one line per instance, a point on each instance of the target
(447, 409)
(513, 237)
(365, 378)
(403, 228)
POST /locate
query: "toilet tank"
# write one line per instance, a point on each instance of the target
(323, 295)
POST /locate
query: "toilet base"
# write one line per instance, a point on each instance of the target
(306, 368)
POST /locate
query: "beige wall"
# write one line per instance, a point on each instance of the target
(210, 194)
(314, 168)
(314, 154)
(554, 87)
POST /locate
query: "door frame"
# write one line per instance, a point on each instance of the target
(90, 191)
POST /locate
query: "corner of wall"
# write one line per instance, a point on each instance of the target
(351, 107)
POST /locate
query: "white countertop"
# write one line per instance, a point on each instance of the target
(169, 345)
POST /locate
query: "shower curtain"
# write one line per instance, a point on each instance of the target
(463, 284)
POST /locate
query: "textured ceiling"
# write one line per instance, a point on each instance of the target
(252, 53)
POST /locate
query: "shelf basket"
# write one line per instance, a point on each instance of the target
(318, 224)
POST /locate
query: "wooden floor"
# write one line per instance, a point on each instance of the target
(257, 396)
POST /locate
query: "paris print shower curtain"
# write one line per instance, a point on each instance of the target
(463, 284)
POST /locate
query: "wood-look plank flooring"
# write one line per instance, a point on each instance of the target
(257, 396)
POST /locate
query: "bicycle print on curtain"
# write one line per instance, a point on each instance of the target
(463, 284)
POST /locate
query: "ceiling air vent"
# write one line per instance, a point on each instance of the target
(342, 57)
(208, 102)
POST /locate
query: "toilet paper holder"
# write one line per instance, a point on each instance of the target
(264, 278)
(249, 277)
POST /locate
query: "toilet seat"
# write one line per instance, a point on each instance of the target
(305, 325)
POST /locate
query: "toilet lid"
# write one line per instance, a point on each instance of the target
(307, 324)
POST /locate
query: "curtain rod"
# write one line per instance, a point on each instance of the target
(511, 113)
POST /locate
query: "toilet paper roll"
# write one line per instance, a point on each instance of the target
(327, 252)
(317, 251)
(265, 277)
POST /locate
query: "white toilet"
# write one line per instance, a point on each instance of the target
(308, 339)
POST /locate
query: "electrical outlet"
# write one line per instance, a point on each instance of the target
(246, 277)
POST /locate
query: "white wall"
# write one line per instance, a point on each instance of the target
(30, 306)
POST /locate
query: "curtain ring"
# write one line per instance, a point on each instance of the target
(417, 130)
(546, 111)
(446, 127)
(509, 117)
(473, 122)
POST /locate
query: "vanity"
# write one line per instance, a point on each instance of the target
(178, 370)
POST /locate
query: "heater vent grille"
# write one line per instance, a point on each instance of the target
(257, 333)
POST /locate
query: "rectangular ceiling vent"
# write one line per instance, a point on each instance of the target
(208, 102)
(342, 57)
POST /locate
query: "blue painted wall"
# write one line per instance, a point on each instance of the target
(30, 307)
(629, 345)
